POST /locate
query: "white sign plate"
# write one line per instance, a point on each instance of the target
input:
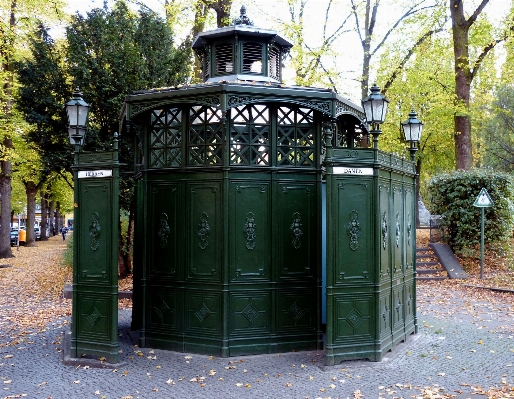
(348, 170)
(83, 174)
(483, 200)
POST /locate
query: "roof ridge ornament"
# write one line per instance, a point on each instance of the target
(242, 19)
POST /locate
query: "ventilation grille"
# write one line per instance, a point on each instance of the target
(207, 67)
(224, 59)
(252, 57)
(274, 64)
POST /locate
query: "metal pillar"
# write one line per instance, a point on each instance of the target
(95, 244)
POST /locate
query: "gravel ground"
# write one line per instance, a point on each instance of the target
(464, 348)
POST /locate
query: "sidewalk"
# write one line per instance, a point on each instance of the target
(463, 347)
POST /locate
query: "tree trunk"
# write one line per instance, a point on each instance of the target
(31, 190)
(58, 220)
(51, 218)
(365, 72)
(44, 217)
(222, 9)
(462, 125)
(198, 27)
(5, 165)
(5, 204)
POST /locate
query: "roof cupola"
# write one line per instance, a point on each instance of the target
(241, 51)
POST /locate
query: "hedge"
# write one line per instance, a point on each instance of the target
(452, 195)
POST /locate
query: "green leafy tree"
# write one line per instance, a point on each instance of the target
(499, 131)
(115, 52)
(16, 20)
(41, 97)
(468, 59)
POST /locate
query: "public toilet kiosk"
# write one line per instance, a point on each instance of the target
(228, 240)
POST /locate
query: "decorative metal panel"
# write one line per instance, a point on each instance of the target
(94, 247)
(94, 316)
(385, 255)
(203, 313)
(296, 311)
(410, 229)
(164, 219)
(95, 231)
(398, 313)
(399, 223)
(385, 314)
(354, 318)
(164, 310)
(250, 313)
(250, 238)
(353, 230)
(295, 223)
(354, 252)
(409, 297)
(204, 233)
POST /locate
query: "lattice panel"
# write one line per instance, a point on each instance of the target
(295, 137)
(205, 139)
(249, 135)
(165, 138)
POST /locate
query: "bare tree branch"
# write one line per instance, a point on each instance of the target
(402, 63)
(488, 48)
(357, 22)
(477, 12)
(410, 12)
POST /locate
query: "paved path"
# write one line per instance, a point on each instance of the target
(462, 348)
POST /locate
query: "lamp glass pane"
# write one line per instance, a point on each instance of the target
(82, 115)
(384, 111)
(407, 132)
(415, 132)
(72, 111)
(368, 110)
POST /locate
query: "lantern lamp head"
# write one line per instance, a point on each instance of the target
(375, 106)
(77, 110)
(412, 128)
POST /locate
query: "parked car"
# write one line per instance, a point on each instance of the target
(37, 230)
(14, 237)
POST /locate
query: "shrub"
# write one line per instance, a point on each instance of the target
(67, 256)
(452, 195)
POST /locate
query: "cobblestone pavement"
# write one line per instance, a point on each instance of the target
(461, 346)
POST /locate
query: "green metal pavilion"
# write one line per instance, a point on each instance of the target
(228, 240)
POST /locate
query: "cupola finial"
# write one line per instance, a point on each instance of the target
(242, 19)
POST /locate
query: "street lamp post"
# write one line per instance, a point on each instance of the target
(94, 323)
(77, 110)
(412, 129)
(375, 108)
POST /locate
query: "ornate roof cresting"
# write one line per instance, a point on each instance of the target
(242, 19)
